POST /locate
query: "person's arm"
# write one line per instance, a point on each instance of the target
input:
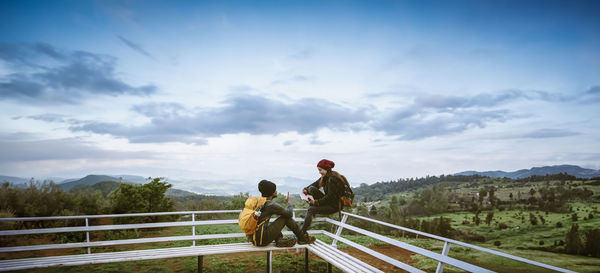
(332, 192)
(279, 210)
(314, 184)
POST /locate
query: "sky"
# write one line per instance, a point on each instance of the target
(248, 90)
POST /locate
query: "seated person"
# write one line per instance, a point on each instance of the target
(268, 232)
(326, 192)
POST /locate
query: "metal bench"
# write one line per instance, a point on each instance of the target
(340, 259)
(329, 253)
(136, 255)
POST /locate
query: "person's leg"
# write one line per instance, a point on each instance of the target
(273, 231)
(314, 210)
(315, 192)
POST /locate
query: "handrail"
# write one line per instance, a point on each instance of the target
(20, 219)
(495, 252)
(427, 253)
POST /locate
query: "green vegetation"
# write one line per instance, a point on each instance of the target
(552, 219)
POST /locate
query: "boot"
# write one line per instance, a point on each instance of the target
(285, 242)
(307, 239)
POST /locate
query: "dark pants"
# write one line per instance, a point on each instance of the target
(269, 232)
(314, 210)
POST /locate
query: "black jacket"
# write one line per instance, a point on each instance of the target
(332, 186)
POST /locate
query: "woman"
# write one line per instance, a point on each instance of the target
(326, 192)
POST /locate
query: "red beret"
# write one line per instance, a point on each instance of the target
(326, 164)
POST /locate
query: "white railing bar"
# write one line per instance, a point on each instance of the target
(427, 253)
(455, 242)
(374, 253)
(128, 226)
(343, 255)
(134, 241)
(333, 258)
(21, 219)
(114, 227)
(445, 250)
(339, 230)
(193, 229)
(117, 215)
(87, 236)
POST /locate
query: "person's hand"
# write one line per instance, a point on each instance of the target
(288, 199)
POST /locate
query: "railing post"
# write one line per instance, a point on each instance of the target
(269, 261)
(200, 262)
(193, 229)
(338, 232)
(87, 236)
(440, 267)
(306, 260)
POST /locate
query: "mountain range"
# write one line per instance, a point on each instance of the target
(284, 184)
(576, 171)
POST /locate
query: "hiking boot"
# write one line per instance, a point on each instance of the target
(285, 242)
(306, 240)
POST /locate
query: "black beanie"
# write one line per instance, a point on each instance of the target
(266, 188)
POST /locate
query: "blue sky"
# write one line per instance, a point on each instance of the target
(245, 90)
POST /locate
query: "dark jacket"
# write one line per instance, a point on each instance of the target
(332, 186)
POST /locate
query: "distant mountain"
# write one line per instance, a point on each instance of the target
(88, 181)
(179, 193)
(540, 171)
(13, 180)
(105, 187)
(132, 178)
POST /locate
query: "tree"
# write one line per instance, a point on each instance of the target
(489, 217)
(532, 192)
(373, 211)
(533, 219)
(573, 244)
(592, 242)
(482, 193)
(150, 197)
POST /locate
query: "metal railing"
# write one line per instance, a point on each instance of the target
(442, 258)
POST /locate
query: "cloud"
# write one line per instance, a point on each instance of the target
(295, 78)
(59, 149)
(302, 55)
(136, 47)
(44, 73)
(549, 133)
(241, 114)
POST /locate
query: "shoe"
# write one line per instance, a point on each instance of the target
(307, 240)
(285, 242)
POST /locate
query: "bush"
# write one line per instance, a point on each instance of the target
(541, 242)
(497, 243)
(559, 224)
(502, 226)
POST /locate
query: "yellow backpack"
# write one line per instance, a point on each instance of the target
(248, 219)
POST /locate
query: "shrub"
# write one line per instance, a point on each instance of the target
(559, 224)
(497, 243)
(502, 226)
(541, 242)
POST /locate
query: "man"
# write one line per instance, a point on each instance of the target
(268, 232)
